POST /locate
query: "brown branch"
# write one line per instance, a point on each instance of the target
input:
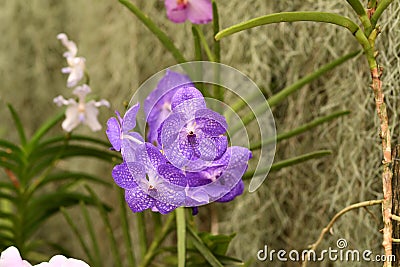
(314, 246)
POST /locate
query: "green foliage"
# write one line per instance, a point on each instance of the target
(33, 188)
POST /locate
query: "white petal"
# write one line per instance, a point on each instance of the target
(11, 258)
(102, 102)
(91, 113)
(70, 45)
(82, 91)
(72, 118)
(60, 100)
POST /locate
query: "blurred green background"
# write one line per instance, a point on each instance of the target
(294, 204)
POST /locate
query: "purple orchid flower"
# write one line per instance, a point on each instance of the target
(219, 182)
(119, 132)
(192, 134)
(150, 181)
(157, 106)
(196, 11)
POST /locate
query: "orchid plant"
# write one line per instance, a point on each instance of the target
(172, 150)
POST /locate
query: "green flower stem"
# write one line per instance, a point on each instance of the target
(204, 43)
(141, 233)
(197, 44)
(291, 17)
(217, 44)
(382, 5)
(181, 235)
(360, 10)
(155, 245)
(89, 226)
(162, 36)
(125, 228)
(303, 128)
(279, 97)
(288, 162)
(202, 248)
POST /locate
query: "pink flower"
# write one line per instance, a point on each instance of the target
(11, 258)
(197, 11)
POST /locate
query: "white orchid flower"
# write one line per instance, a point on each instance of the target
(81, 111)
(76, 65)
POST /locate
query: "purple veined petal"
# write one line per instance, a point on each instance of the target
(138, 200)
(176, 12)
(165, 90)
(167, 196)
(211, 149)
(129, 146)
(199, 11)
(125, 175)
(196, 179)
(236, 191)
(129, 120)
(211, 122)
(114, 133)
(150, 156)
(170, 129)
(196, 197)
(191, 96)
(175, 157)
(235, 156)
(172, 175)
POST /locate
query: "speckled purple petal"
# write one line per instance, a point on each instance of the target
(124, 176)
(172, 174)
(236, 191)
(169, 130)
(129, 120)
(130, 144)
(211, 122)
(211, 149)
(114, 133)
(164, 208)
(137, 200)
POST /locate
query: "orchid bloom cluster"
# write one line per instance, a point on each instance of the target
(78, 111)
(186, 160)
(12, 258)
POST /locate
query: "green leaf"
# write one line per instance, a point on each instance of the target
(74, 137)
(301, 129)
(18, 124)
(109, 228)
(162, 36)
(218, 244)
(125, 228)
(78, 235)
(291, 17)
(44, 129)
(203, 249)
(68, 176)
(289, 162)
(284, 93)
(40, 208)
(382, 6)
(8, 145)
